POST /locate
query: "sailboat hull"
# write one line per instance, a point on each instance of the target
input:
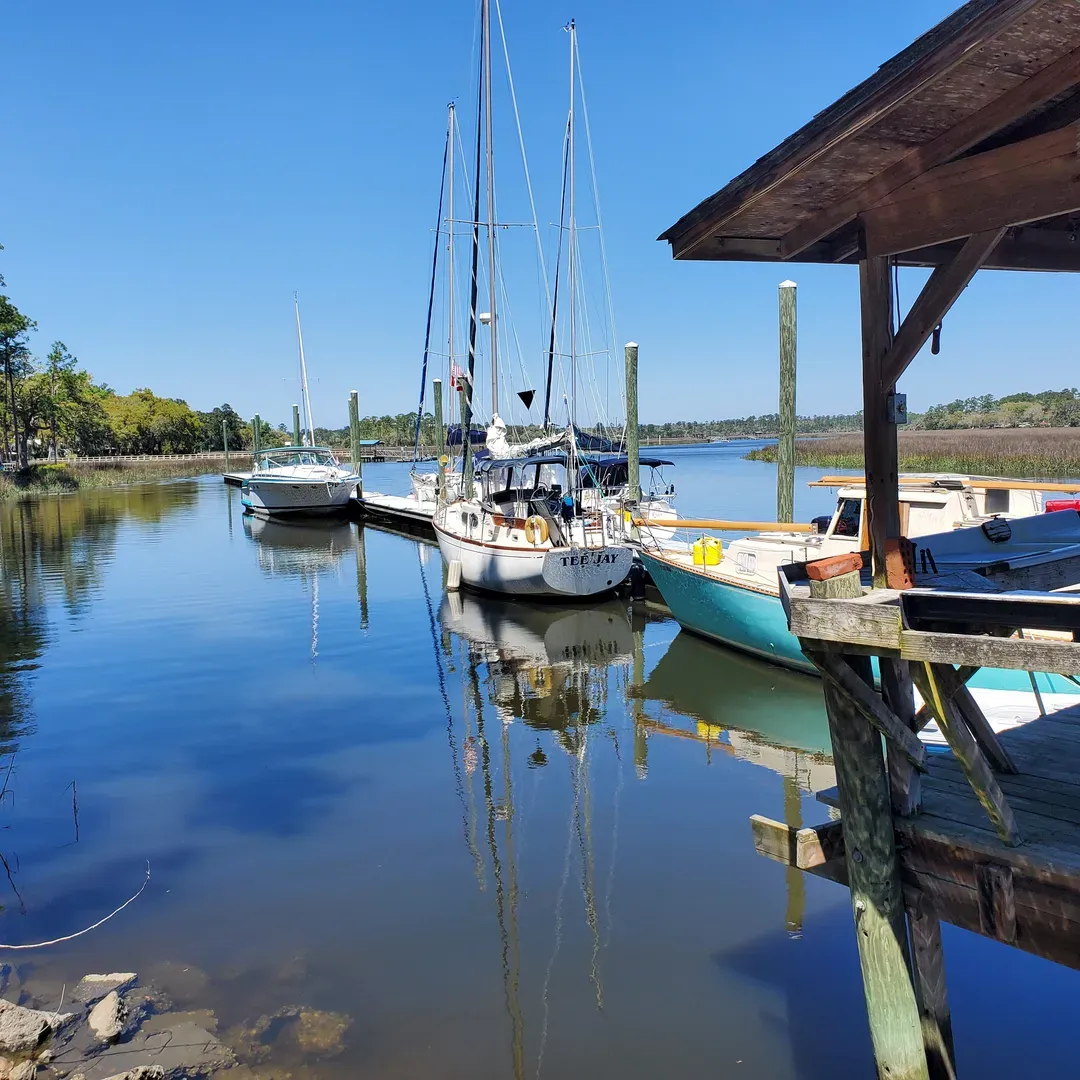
(528, 571)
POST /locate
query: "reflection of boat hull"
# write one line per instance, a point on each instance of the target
(535, 571)
(287, 495)
(728, 691)
(743, 618)
(290, 546)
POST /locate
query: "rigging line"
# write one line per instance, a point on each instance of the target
(451, 739)
(509, 991)
(599, 222)
(431, 293)
(558, 917)
(524, 157)
(558, 265)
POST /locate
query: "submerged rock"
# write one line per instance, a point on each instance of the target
(23, 1030)
(92, 988)
(107, 1017)
(321, 1033)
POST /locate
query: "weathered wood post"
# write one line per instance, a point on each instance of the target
(440, 431)
(225, 441)
(296, 425)
(633, 459)
(785, 450)
(256, 436)
(354, 438)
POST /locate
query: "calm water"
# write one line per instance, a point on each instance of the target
(506, 841)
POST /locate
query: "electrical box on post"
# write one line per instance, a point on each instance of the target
(896, 408)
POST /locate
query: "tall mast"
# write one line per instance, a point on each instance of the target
(303, 375)
(572, 260)
(450, 247)
(486, 46)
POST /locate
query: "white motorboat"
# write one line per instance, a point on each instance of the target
(298, 480)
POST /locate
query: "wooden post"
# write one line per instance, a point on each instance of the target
(633, 434)
(796, 886)
(876, 897)
(641, 737)
(466, 451)
(225, 441)
(785, 450)
(354, 439)
(256, 435)
(879, 436)
(929, 968)
(904, 778)
(440, 431)
(296, 425)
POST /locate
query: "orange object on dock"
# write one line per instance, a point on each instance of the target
(834, 566)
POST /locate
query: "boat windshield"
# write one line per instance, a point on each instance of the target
(291, 456)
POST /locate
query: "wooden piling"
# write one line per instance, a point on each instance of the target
(354, 438)
(225, 441)
(785, 451)
(633, 434)
(440, 430)
(256, 434)
(296, 425)
(876, 897)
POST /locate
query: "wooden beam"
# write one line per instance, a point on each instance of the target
(997, 901)
(804, 848)
(938, 295)
(1013, 105)
(879, 436)
(904, 780)
(1013, 185)
(966, 751)
(922, 63)
(876, 891)
(837, 670)
(982, 650)
(928, 964)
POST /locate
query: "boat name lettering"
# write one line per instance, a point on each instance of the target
(598, 558)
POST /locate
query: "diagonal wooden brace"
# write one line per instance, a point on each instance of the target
(966, 750)
(862, 697)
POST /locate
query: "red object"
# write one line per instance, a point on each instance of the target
(1051, 505)
(834, 566)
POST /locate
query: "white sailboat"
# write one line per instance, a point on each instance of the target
(520, 525)
(302, 479)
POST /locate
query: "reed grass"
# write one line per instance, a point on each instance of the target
(1022, 453)
(47, 479)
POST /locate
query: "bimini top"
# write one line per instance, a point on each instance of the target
(293, 449)
(490, 464)
(610, 461)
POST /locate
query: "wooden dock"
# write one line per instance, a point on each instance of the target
(957, 154)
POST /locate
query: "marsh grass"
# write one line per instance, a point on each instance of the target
(45, 479)
(1030, 453)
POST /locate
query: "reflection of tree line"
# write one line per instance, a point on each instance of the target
(57, 549)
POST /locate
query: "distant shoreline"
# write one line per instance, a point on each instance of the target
(1034, 453)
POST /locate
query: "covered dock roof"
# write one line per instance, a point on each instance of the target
(971, 128)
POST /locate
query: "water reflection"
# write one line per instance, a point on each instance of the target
(59, 549)
(303, 548)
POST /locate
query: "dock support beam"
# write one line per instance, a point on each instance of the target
(785, 450)
(633, 433)
(296, 425)
(876, 896)
(354, 438)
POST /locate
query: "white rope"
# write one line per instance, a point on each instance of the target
(100, 922)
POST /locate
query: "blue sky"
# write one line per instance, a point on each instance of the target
(176, 171)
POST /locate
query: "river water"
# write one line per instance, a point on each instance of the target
(504, 841)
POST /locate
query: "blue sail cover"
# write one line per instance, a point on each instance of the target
(478, 436)
(597, 444)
